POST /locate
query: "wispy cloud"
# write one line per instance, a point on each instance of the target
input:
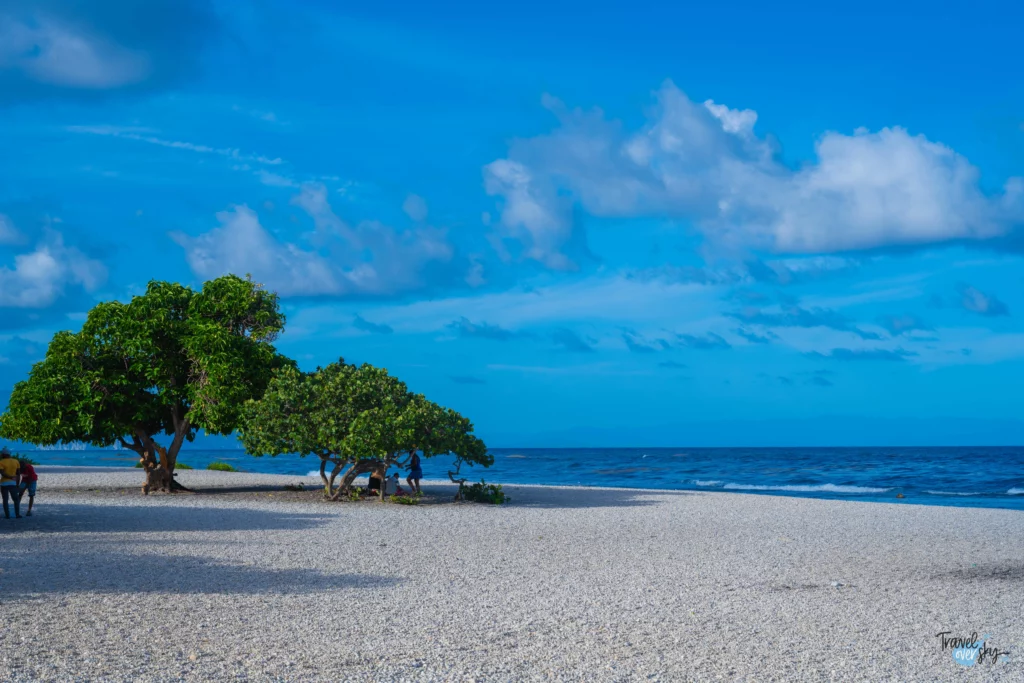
(465, 379)
(637, 344)
(130, 134)
(570, 341)
(706, 341)
(795, 316)
(903, 324)
(974, 300)
(466, 328)
(755, 338)
(361, 323)
(866, 354)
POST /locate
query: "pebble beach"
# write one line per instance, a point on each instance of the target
(244, 580)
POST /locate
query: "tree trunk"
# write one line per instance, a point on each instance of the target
(170, 456)
(323, 476)
(358, 468)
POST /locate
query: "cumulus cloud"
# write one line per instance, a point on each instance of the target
(42, 276)
(50, 46)
(703, 162)
(337, 259)
(974, 300)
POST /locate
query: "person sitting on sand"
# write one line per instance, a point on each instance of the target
(28, 483)
(391, 487)
(10, 479)
(415, 472)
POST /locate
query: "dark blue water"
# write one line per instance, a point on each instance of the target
(971, 477)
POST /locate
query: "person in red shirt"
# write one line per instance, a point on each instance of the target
(28, 483)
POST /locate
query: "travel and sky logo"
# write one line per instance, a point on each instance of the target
(968, 651)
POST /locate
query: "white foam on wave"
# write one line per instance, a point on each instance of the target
(955, 493)
(808, 488)
(1015, 492)
(707, 482)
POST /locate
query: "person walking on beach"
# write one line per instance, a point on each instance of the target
(10, 478)
(415, 472)
(28, 483)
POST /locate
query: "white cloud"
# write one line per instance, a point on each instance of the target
(130, 134)
(601, 299)
(337, 259)
(415, 207)
(8, 233)
(703, 163)
(54, 53)
(40, 277)
(241, 245)
(275, 179)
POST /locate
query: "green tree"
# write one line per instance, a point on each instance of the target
(170, 361)
(356, 420)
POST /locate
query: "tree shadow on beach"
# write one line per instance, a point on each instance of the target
(570, 498)
(112, 570)
(71, 548)
(63, 518)
(1009, 572)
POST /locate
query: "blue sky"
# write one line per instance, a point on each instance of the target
(615, 224)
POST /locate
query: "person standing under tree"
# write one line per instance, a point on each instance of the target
(28, 483)
(10, 478)
(415, 472)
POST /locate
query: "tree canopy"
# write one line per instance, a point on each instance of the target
(170, 361)
(355, 419)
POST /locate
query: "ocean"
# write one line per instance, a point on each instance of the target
(991, 477)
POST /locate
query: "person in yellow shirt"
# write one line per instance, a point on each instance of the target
(10, 479)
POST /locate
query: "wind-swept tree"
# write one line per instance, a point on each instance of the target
(170, 361)
(356, 420)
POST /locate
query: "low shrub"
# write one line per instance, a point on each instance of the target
(25, 459)
(294, 487)
(220, 467)
(483, 493)
(405, 500)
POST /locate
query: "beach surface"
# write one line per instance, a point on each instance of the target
(244, 580)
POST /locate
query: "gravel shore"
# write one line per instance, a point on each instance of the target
(102, 583)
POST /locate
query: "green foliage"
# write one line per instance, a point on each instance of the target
(405, 500)
(170, 361)
(484, 493)
(25, 459)
(349, 413)
(294, 487)
(221, 467)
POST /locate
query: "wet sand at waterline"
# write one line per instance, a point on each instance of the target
(247, 581)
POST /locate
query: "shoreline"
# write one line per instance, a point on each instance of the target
(70, 479)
